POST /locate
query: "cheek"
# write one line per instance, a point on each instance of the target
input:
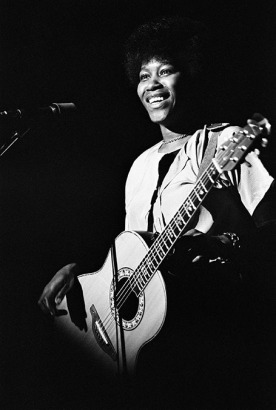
(178, 95)
(139, 91)
(140, 96)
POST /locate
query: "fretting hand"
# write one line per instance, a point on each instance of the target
(196, 247)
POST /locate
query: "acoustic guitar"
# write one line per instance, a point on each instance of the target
(123, 306)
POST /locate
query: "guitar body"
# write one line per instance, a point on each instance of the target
(115, 344)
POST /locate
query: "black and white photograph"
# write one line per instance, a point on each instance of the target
(138, 205)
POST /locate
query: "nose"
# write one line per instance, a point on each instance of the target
(153, 84)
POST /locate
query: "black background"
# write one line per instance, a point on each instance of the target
(62, 186)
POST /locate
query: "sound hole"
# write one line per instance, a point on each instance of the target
(127, 300)
(130, 307)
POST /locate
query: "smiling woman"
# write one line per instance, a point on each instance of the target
(201, 239)
(160, 84)
(172, 63)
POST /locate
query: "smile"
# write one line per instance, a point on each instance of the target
(157, 100)
(153, 100)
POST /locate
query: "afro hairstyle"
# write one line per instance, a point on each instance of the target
(179, 40)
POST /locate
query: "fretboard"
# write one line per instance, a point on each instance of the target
(175, 228)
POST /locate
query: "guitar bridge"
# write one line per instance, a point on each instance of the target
(101, 335)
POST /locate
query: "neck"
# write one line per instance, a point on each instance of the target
(186, 125)
(168, 134)
(172, 140)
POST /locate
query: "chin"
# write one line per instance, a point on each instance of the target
(158, 118)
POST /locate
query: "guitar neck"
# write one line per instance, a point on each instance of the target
(230, 154)
(175, 228)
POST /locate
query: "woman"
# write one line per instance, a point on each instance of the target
(164, 58)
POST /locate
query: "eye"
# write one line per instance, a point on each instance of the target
(143, 76)
(166, 71)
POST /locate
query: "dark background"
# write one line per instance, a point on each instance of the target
(62, 186)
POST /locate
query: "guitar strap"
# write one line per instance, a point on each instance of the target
(216, 130)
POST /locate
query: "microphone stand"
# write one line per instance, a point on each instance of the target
(12, 140)
(55, 109)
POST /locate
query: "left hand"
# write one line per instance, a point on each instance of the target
(199, 247)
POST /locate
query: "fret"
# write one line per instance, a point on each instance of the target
(135, 286)
(167, 241)
(209, 176)
(160, 250)
(150, 265)
(140, 282)
(164, 244)
(188, 216)
(197, 195)
(191, 205)
(155, 259)
(183, 213)
(170, 231)
(145, 273)
(180, 219)
(203, 187)
(158, 246)
(177, 227)
(188, 209)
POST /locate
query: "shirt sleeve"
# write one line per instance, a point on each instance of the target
(251, 178)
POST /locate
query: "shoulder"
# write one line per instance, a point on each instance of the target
(145, 156)
(142, 162)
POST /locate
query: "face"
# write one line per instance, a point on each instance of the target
(160, 90)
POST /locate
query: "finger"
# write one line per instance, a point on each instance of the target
(42, 306)
(45, 307)
(255, 127)
(197, 259)
(251, 122)
(49, 305)
(60, 296)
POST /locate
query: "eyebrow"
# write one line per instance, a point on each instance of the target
(143, 66)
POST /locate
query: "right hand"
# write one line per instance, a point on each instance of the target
(56, 289)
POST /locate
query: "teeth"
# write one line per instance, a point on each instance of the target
(155, 99)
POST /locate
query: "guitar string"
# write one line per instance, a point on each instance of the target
(127, 288)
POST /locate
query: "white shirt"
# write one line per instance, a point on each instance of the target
(251, 182)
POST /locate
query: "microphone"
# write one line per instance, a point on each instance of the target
(53, 110)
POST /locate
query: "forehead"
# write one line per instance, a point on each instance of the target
(155, 62)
